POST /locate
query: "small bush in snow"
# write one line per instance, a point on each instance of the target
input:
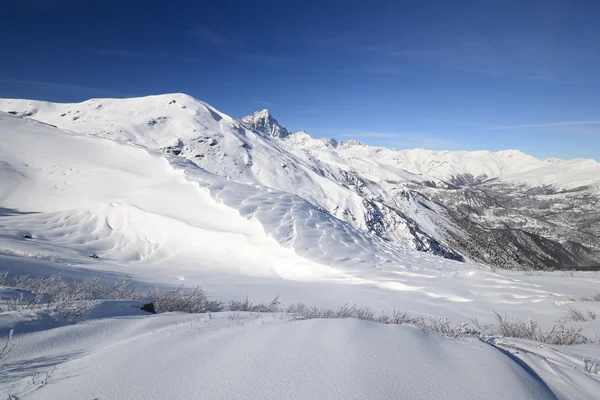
(595, 297)
(560, 334)
(247, 305)
(580, 316)
(398, 317)
(592, 366)
(6, 347)
(443, 327)
(190, 300)
(437, 325)
(73, 301)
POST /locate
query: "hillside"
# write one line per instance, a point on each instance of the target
(81, 204)
(504, 208)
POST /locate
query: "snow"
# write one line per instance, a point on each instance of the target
(248, 356)
(263, 121)
(509, 165)
(98, 196)
(163, 220)
(230, 149)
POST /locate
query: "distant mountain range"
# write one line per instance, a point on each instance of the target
(506, 209)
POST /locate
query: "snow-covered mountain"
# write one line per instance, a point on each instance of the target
(512, 210)
(505, 208)
(183, 126)
(264, 122)
(150, 213)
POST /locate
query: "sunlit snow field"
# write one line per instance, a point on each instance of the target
(163, 221)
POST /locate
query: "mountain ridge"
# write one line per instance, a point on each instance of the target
(418, 199)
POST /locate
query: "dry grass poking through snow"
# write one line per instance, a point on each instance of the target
(595, 297)
(560, 334)
(72, 301)
(580, 316)
(5, 348)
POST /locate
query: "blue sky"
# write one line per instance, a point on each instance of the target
(444, 75)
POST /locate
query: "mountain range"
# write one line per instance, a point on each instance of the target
(506, 209)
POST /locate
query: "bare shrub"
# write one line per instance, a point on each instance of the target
(247, 305)
(592, 366)
(398, 317)
(73, 301)
(190, 300)
(443, 327)
(3, 278)
(311, 312)
(6, 348)
(530, 329)
(595, 297)
(580, 316)
(560, 334)
(437, 325)
(96, 288)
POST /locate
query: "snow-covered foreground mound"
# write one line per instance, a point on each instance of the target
(253, 356)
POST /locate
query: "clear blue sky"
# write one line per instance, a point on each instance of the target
(442, 75)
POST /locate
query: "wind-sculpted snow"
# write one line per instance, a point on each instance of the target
(251, 152)
(126, 205)
(312, 232)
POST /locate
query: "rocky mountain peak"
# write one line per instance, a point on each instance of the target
(262, 121)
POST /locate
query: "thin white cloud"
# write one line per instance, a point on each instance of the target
(547, 125)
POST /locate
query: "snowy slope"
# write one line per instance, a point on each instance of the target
(128, 204)
(181, 125)
(125, 204)
(508, 165)
(162, 220)
(504, 208)
(245, 356)
(184, 126)
(157, 215)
